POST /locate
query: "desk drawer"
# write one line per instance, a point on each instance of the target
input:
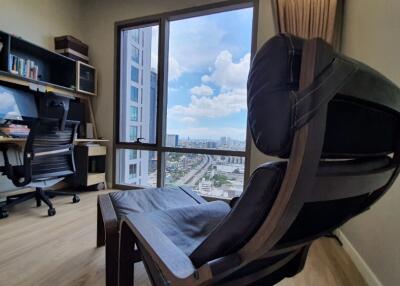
(95, 178)
(97, 150)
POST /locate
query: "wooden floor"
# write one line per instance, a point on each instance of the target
(60, 250)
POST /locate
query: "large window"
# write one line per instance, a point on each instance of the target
(197, 136)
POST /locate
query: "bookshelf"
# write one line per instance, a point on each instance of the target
(28, 61)
(54, 73)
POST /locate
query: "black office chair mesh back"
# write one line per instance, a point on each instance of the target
(339, 166)
(48, 151)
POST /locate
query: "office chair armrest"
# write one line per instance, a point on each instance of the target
(174, 264)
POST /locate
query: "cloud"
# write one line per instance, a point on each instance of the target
(227, 74)
(202, 90)
(188, 120)
(221, 105)
(192, 44)
(231, 79)
(175, 70)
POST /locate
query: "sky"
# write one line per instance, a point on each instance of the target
(209, 59)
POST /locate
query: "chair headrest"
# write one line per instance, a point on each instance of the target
(361, 102)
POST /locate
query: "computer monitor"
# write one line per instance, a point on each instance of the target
(16, 105)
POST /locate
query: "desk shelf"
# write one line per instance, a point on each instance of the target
(90, 162)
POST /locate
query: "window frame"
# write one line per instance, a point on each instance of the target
(162, 20)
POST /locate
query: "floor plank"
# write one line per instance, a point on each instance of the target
(39, 250)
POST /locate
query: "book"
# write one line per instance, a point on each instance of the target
(23, 67)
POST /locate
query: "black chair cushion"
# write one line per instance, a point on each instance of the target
(356, 114)
(354, 128)
(148, 200)
(246, 216)
(273, 77)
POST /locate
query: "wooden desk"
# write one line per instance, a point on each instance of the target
(21, 141)
(7, 140)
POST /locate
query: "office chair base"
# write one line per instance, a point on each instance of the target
(40, 196)
(51, 212)
(3, 213)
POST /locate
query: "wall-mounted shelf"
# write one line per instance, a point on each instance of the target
(56, 73)
(20, 57)
(30, 66)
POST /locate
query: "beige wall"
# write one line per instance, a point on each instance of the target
(39, 21)
(372, 35)
(100, 17)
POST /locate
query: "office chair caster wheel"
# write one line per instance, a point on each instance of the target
(51, 212)
(76, 199)
(3, 214)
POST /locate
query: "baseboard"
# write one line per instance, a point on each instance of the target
(368, 275)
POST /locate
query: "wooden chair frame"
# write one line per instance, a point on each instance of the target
(296, 189)
(108, 235)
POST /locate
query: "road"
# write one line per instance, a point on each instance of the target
(196, 173)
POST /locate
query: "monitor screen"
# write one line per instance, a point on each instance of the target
(16, 104)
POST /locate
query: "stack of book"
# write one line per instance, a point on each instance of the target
(22, 67)
(14, 130)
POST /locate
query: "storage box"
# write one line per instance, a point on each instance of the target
(86, 78)
(72, 48)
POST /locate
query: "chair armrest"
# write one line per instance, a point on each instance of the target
(173, 262)
(107, 221)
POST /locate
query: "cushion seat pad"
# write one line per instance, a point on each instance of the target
(149, 200)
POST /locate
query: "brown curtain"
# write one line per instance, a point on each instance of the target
(310, 18)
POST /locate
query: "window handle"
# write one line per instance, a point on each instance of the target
(138, 140)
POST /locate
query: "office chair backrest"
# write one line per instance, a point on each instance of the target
(338, 122)
(48, 151)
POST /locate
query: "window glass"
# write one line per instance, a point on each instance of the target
(136, 168)
(132, 154)
(208, 63)
(134, 113)
(133, 133)
(135, 35)
(207, 76)
(132, 171)
(135, 54)
(209, 175)
(134, 93)
(135, 74)
(139, 80)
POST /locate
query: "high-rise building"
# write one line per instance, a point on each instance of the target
(172, 140)
(138, 105)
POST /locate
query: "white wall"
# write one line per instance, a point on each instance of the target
(371, 34)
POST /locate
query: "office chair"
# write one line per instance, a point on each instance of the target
(323, 114)
(48, 159)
